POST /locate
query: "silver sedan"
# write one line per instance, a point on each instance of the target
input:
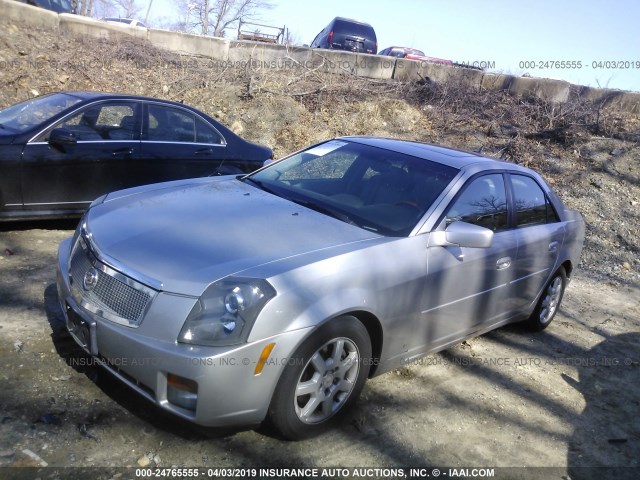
(275, 295)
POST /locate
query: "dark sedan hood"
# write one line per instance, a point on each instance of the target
(6, 137)
(187, 236)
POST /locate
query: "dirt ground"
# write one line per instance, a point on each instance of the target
(566, 399)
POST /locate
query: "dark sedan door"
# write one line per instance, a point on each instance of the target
(71, 176)
(178, 144)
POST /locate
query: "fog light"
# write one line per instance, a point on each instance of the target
(182, 392)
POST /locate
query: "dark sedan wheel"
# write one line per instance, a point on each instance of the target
(328, 373)
(549, 302)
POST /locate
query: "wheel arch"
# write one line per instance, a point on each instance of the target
(374, 328)
(568, 267)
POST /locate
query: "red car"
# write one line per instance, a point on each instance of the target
(412, 54)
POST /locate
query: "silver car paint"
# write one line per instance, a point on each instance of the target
(213, 246)
(319, 266)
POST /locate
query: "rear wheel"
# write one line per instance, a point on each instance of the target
(549, 301)
(327, 376)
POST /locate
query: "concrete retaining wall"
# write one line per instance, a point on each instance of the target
(80, 25)
(216, 48)
(263, 55)
(34, 16)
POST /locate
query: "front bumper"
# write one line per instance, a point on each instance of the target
(229, 393)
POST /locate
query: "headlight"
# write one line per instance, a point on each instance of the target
(225, 312)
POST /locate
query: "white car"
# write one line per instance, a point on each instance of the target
(128, 21)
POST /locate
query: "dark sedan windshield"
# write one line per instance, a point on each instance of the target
(374, 188)
(25, 115)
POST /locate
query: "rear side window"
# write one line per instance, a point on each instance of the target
(206, 134)
(168, 124)
(483, 202)
(532, 205)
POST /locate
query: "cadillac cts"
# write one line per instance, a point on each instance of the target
(275, 295)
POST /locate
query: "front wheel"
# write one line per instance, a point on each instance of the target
(330, 370)
(549, 301)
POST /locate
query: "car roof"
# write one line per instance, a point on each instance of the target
(87, 96)
(403, 48)
(350, 20)
(447, 156)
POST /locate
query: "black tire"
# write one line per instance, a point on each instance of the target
(549, 302)
(332, 387)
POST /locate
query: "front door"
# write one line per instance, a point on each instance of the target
(69, 178)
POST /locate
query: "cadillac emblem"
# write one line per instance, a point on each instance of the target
(90, 279)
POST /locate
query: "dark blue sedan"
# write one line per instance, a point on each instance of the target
(59, 152)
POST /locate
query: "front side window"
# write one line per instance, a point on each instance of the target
(483, 202)
(532, 205)
(105, 121)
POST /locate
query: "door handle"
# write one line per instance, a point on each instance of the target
(122, 152)
(503, 263)
(553, 247)
(204, 151)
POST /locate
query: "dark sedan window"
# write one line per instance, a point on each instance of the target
(168, 124)
(105, 121)
(483, 202)
(532, 205)
(206, 134)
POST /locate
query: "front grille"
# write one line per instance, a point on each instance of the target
(115, 296)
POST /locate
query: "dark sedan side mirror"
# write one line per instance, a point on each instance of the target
(462, 234)
(60, 138)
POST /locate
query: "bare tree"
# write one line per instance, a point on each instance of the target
(127, 8)
(109, 8)
(213, 17)
(84, 7)
(146, 17)
(291, 38)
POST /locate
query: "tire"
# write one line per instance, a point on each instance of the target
(549, 301)
(313, 391)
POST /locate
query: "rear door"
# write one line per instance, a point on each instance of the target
(70, 178)
(178, 144)
(539, 235)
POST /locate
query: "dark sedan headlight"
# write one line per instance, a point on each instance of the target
(225, 312)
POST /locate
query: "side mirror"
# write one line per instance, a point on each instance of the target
(462, 234)
(60, 138)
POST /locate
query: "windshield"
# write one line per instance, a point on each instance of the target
(376, 189)
(26, 115)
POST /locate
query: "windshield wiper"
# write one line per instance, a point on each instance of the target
(332, 212)
(260, 185)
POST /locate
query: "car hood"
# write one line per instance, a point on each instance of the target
(181, 237)
(6, 137)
